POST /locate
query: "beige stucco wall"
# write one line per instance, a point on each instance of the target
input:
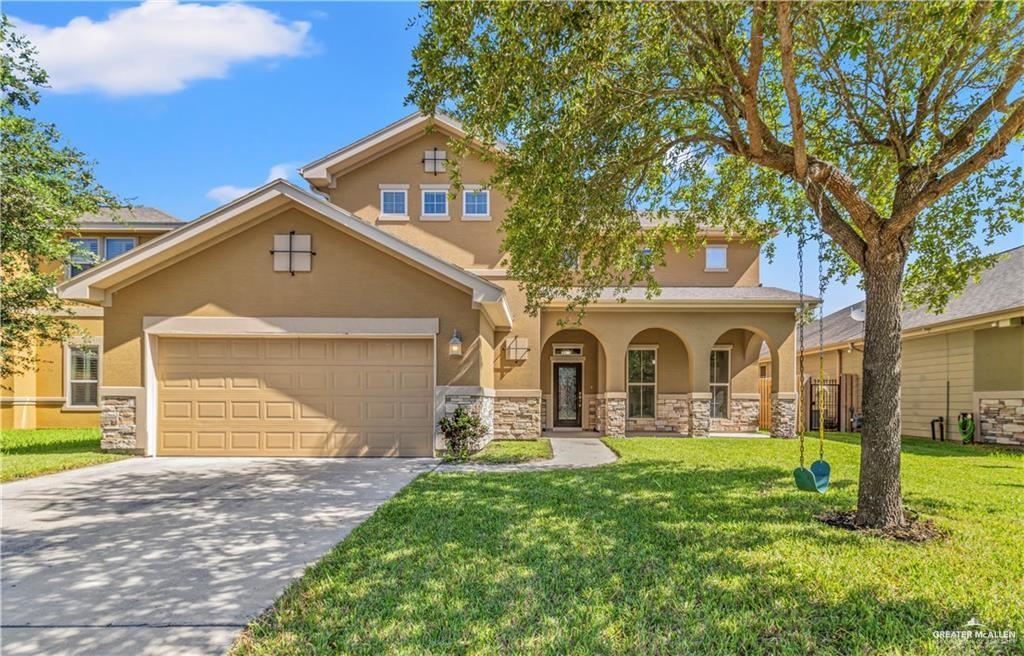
(235, 277)
(477, 244)
(743, 260)
(999, 359)
(44, 382)
(521, 374)
(470, 244)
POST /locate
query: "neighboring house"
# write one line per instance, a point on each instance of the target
(970, 358)
(63, 389)
(349, 319)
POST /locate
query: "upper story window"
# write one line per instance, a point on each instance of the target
(716, 258)
(114, 246)
(90, 250)
(476, 203)
(393, 202)
(86, 255)
(571, 259)
(435, 203)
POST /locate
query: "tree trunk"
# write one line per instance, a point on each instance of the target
(879, 502)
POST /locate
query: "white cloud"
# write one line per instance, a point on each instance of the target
(160, 46)
(227, 193)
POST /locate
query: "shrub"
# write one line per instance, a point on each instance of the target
(462, 432)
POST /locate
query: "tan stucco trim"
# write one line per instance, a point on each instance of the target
(32, 400)
(96, 285)
(292, 326)
(518, 393)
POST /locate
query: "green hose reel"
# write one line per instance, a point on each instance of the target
(965, 422)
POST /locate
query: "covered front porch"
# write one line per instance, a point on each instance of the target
(672, 373)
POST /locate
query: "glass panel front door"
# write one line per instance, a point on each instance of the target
(568, 395)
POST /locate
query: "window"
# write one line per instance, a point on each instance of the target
(435, 203)
(476, 203)
(641, 379)
(86, 255)
(720, 383)
(114, 246)
(393, 202)
(83, 376)
(567, 349)
(571, 259)
(716, 258)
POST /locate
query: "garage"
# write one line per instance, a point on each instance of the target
(287, 396)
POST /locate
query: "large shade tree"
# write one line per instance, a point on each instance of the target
(45, 185)
(881, 127)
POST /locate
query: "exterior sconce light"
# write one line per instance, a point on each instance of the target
(455, 344)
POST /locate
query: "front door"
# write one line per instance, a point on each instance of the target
(568, 395)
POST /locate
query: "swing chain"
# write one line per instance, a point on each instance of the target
(821, 346)
(801, 240)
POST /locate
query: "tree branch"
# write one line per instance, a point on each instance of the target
(833, 224)
(792, 96)
(963, 136)
(936, 187)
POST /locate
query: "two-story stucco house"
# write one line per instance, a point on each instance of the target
(62, 389)
(346, 320)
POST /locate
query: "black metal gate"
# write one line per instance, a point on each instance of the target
(830, 390)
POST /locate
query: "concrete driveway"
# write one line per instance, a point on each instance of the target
(172, 555)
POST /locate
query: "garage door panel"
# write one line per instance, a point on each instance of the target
(295, 397)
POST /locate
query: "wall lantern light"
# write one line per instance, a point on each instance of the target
(455, 344)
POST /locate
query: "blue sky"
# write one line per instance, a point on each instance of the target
(180, 118)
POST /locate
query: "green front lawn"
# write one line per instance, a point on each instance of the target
(25, 453)
(681, 547)
(513, 451)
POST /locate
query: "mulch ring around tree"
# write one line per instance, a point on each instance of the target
(912, 530)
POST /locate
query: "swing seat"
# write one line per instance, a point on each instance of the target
(815, 479)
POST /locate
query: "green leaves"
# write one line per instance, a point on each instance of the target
(614, 109)
(46, 185)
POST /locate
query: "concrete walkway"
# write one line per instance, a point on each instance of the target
(569, 453)
(173, 555)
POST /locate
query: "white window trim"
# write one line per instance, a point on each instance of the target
(100, 251)
(134, 240)
(394, 187)
(475, 189)
(555, 347)
(654, 385)
(67, 374)
(727, 385)
(424, 216)
(708, 249)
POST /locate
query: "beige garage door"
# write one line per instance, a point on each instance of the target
(295, 397)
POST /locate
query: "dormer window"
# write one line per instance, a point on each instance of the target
(716, 258)
(476, 204)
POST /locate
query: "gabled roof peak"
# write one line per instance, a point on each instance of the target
(319, 172)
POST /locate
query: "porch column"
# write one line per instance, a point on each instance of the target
(700, 398)
(784, 383)
(612, 416)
